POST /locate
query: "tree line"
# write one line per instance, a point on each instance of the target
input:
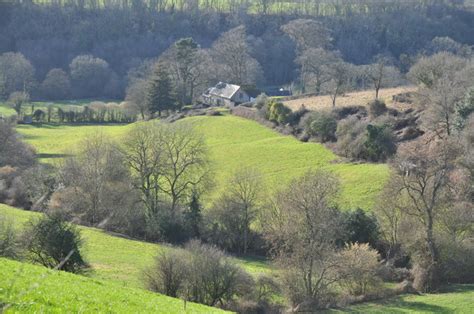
(94, 52)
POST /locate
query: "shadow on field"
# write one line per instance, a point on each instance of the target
(45, 155)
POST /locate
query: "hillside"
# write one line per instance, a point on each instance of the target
(359, 98)
(236, 142)
(114, 282)
(28, 288)
(115, 258)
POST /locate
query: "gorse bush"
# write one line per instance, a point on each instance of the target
(55, 243)
(278, 112)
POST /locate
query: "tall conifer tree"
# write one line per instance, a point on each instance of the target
(160, 94)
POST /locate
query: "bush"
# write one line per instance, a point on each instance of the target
(360, 227)
(357, 139)
(377, 108)
(168, 274)
(54, 243)
(168, 226)
(457, 260)
(358, 266)
(296, 116)
(8, 239)
(380, 143)
(13, 152)
(346, 111)
(261, 101)
(201, 274)
(279, 113)
(350, 135)
(320, 124)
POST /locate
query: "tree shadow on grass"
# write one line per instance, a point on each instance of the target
(46, 155)
(401, 306)
(457, 288)
(395, 305)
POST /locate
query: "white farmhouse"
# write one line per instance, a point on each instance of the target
(224, 94)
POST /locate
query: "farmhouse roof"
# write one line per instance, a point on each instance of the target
(224, 90)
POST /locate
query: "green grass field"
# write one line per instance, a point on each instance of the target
(455, 299)
(116, 258)
(118, 262)
(236, 142)
(6, 110)
(26, 288)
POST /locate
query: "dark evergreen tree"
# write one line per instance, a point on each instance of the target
(360, 227)
(160, 94)
(194, 216)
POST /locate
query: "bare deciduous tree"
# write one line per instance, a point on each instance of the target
(381, 74)
(186, 162)
(95, 182)
(443, 80)
(17, 100)
(236, 210)
(422, 182)
(315, 63)
(136, 96)
(232, 51)
(305, 234)
(167, 160)
(144, 156)
(307, 34)
(340, 77)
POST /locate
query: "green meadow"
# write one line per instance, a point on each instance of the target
(26, 288)
(115, 258)
(454, 299)
(6, 110)
(114, 284)
(235, 142)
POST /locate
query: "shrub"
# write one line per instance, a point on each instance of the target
(214, 278)
(358, 266)
(377, 108)
(8, 239)
(168, 274)
(360, 227)
(380, 143)
(457, 260)
(54, 243)
(14, 152)
(201, 274)
(321, 124)
(261, 101)
(296, 116)
(357, 139)
(168, 226)
(350, 135)
(279, 113)
(425, 277)
(346, 111)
